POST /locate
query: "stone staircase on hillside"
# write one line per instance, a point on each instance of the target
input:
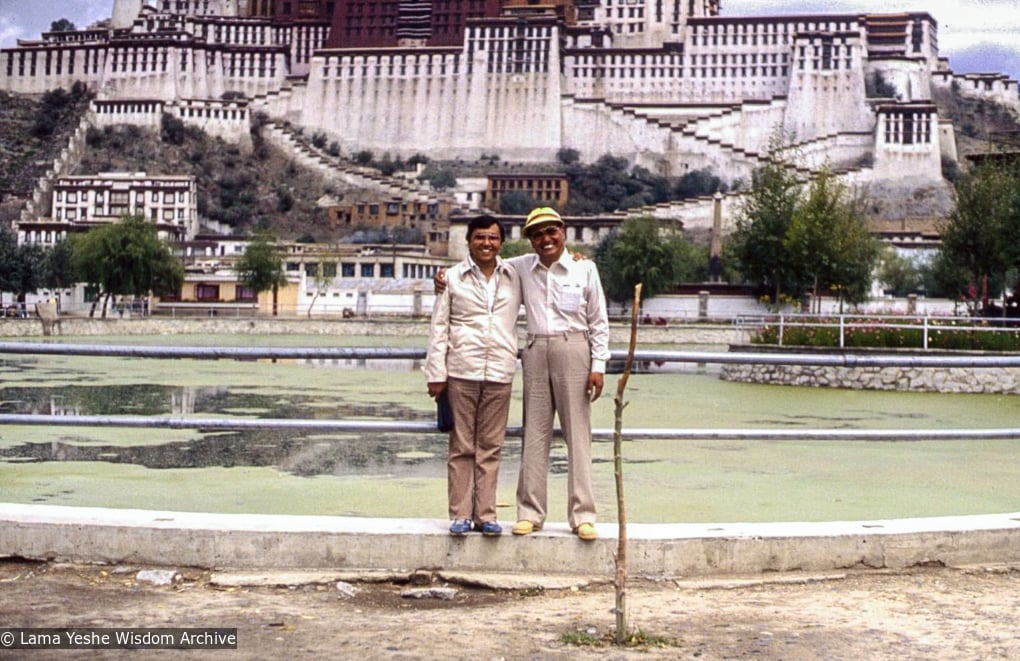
(337, 169)
(40, 203)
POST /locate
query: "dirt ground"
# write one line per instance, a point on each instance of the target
(924, 613)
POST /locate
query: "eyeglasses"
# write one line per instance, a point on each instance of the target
(548, 231)
(485, 237)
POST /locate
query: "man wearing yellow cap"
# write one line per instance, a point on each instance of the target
(564, 366)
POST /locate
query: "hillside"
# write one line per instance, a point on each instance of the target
(981, 126)
(244, 188)
(32, 133)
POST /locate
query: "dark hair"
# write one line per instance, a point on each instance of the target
(485, 222)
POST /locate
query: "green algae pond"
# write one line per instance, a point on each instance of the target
(403, 474)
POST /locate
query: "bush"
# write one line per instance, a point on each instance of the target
(94, 137)
(171, 130)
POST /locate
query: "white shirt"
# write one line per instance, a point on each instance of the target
(566, 297)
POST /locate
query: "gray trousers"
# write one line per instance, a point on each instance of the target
(480, 410)
(556, 370)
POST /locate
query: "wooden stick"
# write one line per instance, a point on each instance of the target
(620, 582)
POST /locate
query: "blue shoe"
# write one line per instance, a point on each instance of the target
(460, 527)
(489, 529)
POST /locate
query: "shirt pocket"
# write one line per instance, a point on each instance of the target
(570, 296)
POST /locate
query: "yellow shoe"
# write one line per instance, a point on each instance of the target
(525, 527)
(586, 531)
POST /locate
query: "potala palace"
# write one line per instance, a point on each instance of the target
(672, 85)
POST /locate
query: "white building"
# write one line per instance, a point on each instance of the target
(83, 202)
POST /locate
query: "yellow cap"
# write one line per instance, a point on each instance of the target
(541, 216)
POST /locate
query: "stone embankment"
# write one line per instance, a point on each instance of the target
(992, 380)
(706, 334)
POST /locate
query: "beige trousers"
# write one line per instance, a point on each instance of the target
(480, 410)
(556, 371)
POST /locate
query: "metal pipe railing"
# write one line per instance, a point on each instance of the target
(413, 353)
(397, 427)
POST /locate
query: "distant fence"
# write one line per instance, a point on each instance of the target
(845, 324)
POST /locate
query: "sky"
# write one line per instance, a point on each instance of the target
(976, 35)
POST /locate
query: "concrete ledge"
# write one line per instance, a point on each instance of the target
(254, 541)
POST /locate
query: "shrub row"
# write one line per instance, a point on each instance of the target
(864, 334)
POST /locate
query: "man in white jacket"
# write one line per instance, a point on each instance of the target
(472, 356)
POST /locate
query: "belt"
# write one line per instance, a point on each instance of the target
(562, 334)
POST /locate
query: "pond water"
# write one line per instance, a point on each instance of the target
(403, 475)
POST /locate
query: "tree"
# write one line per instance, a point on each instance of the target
(899, 274)
(639, 252)
(762, 224)
(59, 270)
(62, 25)
(126, 259)
(261, 267)
(514, 248)
(172, 129)
(828, 242)
(516, 202)
(981, 234)
(29, 269)
(568, 156)
(439, 178)
(8, 258)
(698, 182)
(603, 186)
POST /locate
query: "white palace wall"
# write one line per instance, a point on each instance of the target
(446, 102)
(907, 143)
(229, 120)
(713, 98)
(827, 92)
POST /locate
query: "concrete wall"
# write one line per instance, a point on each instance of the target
(243, 541)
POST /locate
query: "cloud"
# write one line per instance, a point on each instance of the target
(986, 58)
(976, 35)
(10, 31)
(28, 19)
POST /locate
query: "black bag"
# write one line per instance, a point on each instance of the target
(444, 414)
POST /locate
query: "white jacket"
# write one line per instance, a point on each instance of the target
(468, 340)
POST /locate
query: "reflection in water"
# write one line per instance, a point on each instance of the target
(298, 452)
(381, 364)
(290, 451)
(147, 399)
